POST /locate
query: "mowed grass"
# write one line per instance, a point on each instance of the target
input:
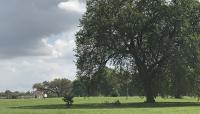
(100, 105)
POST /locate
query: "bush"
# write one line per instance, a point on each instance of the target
(68, 99)
(117, 103)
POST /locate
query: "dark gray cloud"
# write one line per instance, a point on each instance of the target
(23, 23)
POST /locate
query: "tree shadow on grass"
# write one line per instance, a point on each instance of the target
(112, 106)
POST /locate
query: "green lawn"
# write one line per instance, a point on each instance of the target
(100, 105)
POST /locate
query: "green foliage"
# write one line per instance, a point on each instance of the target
(143, 37)
(79, 88)
(15, 95)
(69, 100)
(58, 87)
(39, 86)
(108, 82)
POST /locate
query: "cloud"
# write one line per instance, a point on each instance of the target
(37, 41)
(22, 72)
(24, 23)
(73, 5)
(18, 75)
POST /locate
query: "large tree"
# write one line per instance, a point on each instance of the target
(143, 35)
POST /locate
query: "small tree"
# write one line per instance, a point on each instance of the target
(69, 100)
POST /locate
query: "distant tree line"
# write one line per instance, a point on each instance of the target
(15, 95)
(110, 82)
(113, 82)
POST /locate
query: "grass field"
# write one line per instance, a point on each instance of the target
(100, 105)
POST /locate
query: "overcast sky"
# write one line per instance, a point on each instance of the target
(37, 41)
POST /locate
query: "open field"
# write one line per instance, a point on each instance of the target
(100, 105)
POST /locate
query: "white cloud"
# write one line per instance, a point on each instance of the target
(21, 73)
(61, 47)
(73, 5)
(43, 42)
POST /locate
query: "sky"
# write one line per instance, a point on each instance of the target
(37, 41)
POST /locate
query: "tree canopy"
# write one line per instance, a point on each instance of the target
(60, 87)
(144, 37)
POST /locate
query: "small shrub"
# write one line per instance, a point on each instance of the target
(117, 103)
(68, 99)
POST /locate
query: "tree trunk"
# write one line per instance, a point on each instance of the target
(178, 93)
(148, 85)
(150, 98)
(58, 94)
(127, 93)
(149, 90)
(178, 96)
